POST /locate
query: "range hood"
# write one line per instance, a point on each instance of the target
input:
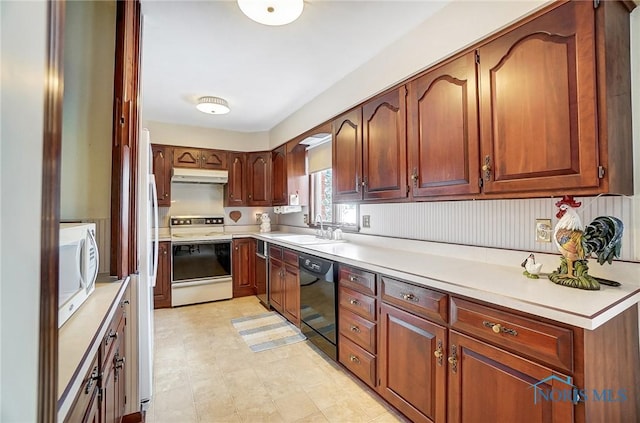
(199, 176)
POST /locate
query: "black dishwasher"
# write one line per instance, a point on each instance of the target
(318, 308)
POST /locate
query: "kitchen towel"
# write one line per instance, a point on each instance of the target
(266, 331)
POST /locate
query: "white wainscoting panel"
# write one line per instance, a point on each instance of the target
(494, 223)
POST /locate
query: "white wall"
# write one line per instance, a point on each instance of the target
(195, 136)
(89, 45)
(23, 26)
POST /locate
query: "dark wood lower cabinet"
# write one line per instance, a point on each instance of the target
(162, 290)
(291, 294)
(243, 267)
(276, 285)
(102, 396)
(412, 362)
(487, 384)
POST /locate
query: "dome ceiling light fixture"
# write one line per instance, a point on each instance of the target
(272, 12)
(213, 105)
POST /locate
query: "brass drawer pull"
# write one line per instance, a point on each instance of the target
(353, 278)
(355, 329)
(354, 359)
(95, 375)
(410, 297)
(354, 302)
(438, 352)
(453, 359)
(498, 328)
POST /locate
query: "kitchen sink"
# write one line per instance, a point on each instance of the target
(307, 239)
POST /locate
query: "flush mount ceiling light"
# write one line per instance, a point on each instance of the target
(272, 12)
(213, 105)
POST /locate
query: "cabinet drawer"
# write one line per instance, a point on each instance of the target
(290, 257)
(359, 330)
(549, 343)
(424, 301)
(358, 303)
(88, 389)
(111, 337)
(275, 252)
(358, 361)
(358, 280)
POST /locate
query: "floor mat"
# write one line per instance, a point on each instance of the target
(266, 331)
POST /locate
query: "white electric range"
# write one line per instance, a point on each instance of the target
(201, 260)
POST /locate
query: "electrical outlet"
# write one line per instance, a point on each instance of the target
(543, 230)
(366, 221)
(305, 218)
(258, 217)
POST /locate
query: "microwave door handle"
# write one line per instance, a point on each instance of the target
(80, 262)
(154, 205)
(94, 245)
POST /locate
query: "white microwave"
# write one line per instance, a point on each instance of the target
(78, 268)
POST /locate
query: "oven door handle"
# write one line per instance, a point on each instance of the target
(188, 284)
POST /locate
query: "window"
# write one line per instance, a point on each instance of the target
(322, 204)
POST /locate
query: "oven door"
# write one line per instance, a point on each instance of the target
(200, 261)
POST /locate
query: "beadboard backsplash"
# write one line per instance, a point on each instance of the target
(506, 224)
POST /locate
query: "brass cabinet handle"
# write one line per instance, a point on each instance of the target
(354, 359)
(110, 336)
(355, 329)
(498, 328)
(353, 278)
(166, 194)
(453, 359)
(486, 168)
(438, 352)
(354, 302)
(414, 177)
(410, 297)
(119, 362)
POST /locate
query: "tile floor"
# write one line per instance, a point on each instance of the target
(204, 372)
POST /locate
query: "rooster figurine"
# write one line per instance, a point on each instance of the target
(576, 243)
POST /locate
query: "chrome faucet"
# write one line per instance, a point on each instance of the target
(319, 220)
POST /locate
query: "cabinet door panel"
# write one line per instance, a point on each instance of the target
(443, 130)
(236, 188)
(162, 173)
(411, 377)
(214, 159)
(243, 260)
(384, 144)
(347, 157)
(506, 392)
(162, 290)
(259, 179)
(279, 177)
(186, 157)
(291, 294)
(276, 285)
(538, 103)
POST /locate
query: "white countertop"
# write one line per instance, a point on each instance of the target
(489, 275)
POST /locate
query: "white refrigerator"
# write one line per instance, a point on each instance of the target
(148, 266)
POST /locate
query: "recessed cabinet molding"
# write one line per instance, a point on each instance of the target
(199, 158)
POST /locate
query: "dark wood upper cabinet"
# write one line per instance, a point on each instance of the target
(384, 146)
(347, 156)
(279, 187)
(236, 188)
(199, 158)
(443, 130)
(538, 104)
(259, 178)
(162, 173)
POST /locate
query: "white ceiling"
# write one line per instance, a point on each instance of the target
(196, 48)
